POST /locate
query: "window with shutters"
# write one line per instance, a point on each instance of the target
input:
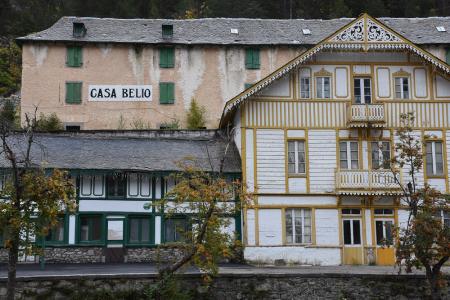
(296, 157)
(381, 155)
(252, 58)
(73, 92)
(348, 155)
(74, 56)
(166, 93)
(298, 226)
(167, 57)
(434, 158)
(401, 87)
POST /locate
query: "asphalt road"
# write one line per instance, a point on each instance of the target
(82, 270)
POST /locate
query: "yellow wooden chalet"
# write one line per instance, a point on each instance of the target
(316, 138)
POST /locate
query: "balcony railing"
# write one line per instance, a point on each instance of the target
(361, 115)
(366, 182)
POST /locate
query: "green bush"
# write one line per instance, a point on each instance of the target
(196, 116)
(49, 123)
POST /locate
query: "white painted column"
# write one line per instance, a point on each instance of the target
(72, 230)
(158, 230)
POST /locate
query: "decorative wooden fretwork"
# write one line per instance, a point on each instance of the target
(401, 73)
(376, 33)
(354, 33)
(323, 73)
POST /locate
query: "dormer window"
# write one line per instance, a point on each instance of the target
(79, 30)
(167, 31)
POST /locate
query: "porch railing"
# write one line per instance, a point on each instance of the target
(366, 180)
(371, 113)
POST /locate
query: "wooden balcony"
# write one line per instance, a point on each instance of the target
(367, 182)
(365, 115)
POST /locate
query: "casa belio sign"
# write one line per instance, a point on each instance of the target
(112, 93)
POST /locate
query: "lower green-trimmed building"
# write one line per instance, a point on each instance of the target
(116, 174)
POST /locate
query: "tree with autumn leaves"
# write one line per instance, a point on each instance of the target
(32, 199)
(424, 240)
(210, 200)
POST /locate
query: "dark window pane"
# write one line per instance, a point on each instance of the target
(96, 230)
(116, 185)
(356, 232)
(84, 229)
(347, 233)
(134, 230)
(145, 230)
(175, 230)
(379, 232)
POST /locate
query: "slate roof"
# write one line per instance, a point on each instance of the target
(132, 151)
(218, 31)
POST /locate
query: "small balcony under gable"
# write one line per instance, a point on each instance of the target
(367, 182)
(365, 115)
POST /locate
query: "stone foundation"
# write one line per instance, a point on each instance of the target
(230, 286)
(75, 255)
(153, 255)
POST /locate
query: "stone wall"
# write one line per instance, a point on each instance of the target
(74, 255)
(230, 286)
(153, 255)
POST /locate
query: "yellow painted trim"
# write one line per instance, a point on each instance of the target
(313, 226)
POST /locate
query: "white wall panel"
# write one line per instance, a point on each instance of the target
(297, 185)
(72, 229)
(270, 227)
(297, 200)
(383, 83)
(322, 160)
(442, 87)
(251, 240)
(299, 255)
(368, 232)
(280, 88)
(438, 183)
(270, 162)
(420, 83)
(341, 74)
(249, 160)
(327, 227)
(157, 230)
(113, 205)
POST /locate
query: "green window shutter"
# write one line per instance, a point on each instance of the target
(447, 57)
(73, 92)
(255, 58)
(252, 58)
(167, 93)
(74, 56)
(248, 58)
(167, 57)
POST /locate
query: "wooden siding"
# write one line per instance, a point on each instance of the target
(322, 160)
(270, 157)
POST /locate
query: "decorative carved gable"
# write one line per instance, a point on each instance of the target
(364, 33)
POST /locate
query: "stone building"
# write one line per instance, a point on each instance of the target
(124, 74)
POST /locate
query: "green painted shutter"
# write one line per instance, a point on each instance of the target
(252, 58)
(166, 93)
(255, 58)
(248, 58)
(74, 56)
(73, 92)
(166, 57)
(447, 58)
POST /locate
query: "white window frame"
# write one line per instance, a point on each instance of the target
(434, 159)
(380, 154)
(443, 218)
(302, 216)
(297, 162)
(305, 87)
(383, 223)
(92, 183)
(352, 238)
(401, 82)
(320, 87)
(349, 153)
(362, 89)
